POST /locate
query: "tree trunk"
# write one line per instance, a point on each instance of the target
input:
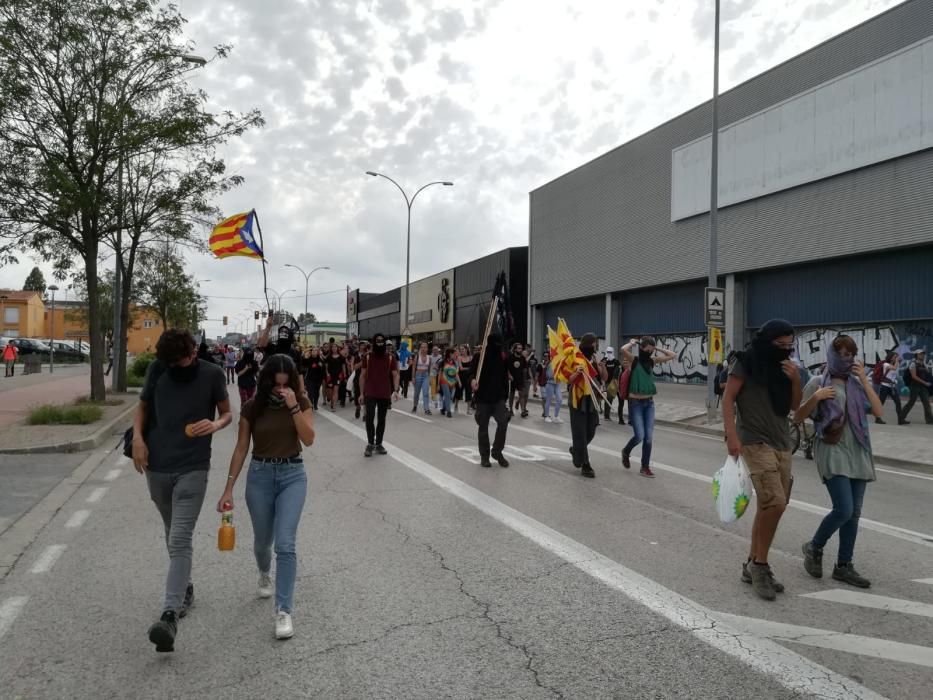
(98, 391)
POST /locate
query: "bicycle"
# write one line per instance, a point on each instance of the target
(803, 435)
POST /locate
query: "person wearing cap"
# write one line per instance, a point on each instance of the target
(379, 380)
(763, 388)
(919, 380)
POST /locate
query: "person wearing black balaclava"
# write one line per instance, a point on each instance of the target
(379, 380)
(584, 417)
(284, 344)
(490, 389)
(763, 388)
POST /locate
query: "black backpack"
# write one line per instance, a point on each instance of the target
(157, 368)
(719, 383)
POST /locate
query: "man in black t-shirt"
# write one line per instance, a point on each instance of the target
(172, 432)
(490, 392)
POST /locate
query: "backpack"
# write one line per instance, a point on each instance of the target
(877, 373)
(908, 378)
(542, 376)
(624, 382)
(155, 373)
(719, 382)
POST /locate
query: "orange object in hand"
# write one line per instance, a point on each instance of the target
(226, 533)
(189, 430)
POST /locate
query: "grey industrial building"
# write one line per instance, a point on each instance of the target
(825, 217)
(449, 307)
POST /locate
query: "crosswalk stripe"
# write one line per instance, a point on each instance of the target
(869, 600)
(838, 641)
(9, 611)
(901, 533)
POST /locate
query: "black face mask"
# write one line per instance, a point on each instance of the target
(379, 348)
(588, 351)
(184, 374)
(644, 355)
(776, 354)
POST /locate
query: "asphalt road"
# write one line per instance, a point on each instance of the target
(422, 575)
(26, 479)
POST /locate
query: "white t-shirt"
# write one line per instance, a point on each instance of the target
(890, 375)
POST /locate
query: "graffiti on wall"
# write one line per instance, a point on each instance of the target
(690, 364)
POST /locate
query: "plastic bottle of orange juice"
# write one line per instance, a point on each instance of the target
(226, 533)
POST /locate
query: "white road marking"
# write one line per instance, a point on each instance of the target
(9, 611)
(826, 639)
(97, 494)
(913, 536)
(869, 600)
(78, 518)
(122, 461)
(48, 558)
(924, 580)
(787, 667)
(113, 474)
(409, 414)
(900, 473)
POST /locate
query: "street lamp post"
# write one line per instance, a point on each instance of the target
(279, 296)
(307, 277)
(713, 211)
(52, 288)
(408, 203)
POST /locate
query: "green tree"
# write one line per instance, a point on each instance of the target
(304, 318)
(165, 287)
(87, 89)
(35, 281)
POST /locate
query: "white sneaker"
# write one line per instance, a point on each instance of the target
(283, 625)
(558, 420)
(547, 419)
(265, 585)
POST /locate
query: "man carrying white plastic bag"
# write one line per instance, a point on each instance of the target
(762, 389)
(732, 489)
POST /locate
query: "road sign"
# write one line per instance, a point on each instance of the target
(715, 346)
(716, 307)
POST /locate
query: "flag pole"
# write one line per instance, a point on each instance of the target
(262, 247)
(489, 320)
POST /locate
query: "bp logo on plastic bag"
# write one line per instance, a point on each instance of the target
(741, 503)
(715, 490)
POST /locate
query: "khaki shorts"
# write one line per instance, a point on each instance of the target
(770, 472)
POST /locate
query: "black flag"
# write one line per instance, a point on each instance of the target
(505, 323)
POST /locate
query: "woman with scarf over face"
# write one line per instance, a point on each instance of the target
(837, 402)
(584, 417)
(762, 389)
(641, 393)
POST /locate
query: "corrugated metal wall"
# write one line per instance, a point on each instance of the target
(473, 287)
(388, 324)
(677, 309)
(582, 316)
(881, 287)
(617, 207)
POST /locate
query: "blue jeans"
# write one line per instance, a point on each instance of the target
(422, 387)
(447, 397)
(275, 497)
(552, 397)
(641, 416)
(847, 496)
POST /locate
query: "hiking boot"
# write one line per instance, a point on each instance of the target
(380, 450)
(368, 452)
(747, 578)
(524, 414)
(162, 633)
(265, 585)
(187, 602)
(486, 463)
(646, 472)
(503, 462)
(626, 462)
(762, 580)
(587, 471)
(812, 560)
(847, 574)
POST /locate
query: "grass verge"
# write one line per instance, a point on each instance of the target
(86, 401)
(49, 414)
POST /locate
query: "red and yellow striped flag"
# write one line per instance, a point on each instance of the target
(234, 237)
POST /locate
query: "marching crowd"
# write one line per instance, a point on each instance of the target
(281, 384)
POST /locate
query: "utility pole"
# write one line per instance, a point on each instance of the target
(713, 215)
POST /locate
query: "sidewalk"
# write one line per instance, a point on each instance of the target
(893, 444)
(19, 394)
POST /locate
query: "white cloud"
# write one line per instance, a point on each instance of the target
(498, 95)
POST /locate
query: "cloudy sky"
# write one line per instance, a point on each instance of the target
(499, 96)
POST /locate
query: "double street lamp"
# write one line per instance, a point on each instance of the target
(408, 203)
(307, 277)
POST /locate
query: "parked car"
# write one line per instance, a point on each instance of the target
(64, 349)
(29, 346)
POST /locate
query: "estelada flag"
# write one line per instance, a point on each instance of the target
(566, 359)
(234, 236)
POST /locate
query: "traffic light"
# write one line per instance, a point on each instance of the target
(256, 315)
(225, 320)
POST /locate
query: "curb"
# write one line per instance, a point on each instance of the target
(92, 442)
(18, 537)
(879, 459)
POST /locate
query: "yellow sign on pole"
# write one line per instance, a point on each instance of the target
(715, 346)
